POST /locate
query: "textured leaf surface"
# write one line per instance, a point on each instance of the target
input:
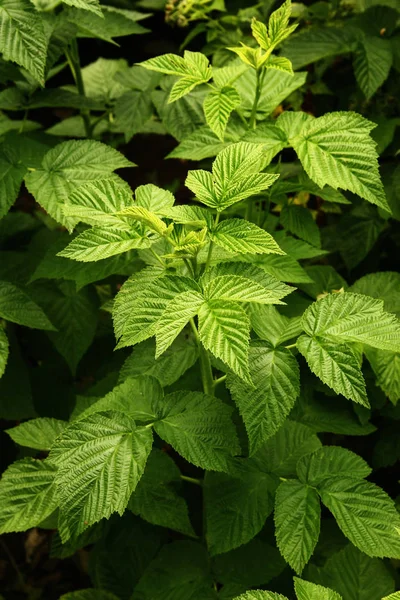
(305, 590)
(353, 318)
(100, 460)
(37, 433)
(372, 62)
(218, 106)
(17, 307)
(298, 220)
(336, 365)
(176, 315)
(337, 150)
(156, 500)
(27, 495)
(65, 167)
(386, 366)
(102, 242)
(239, 236)
(224, 329)
(365, 514)
(199, 427)
(260, 595)
(264, 407)
(22, 37)
(331, 461)
(236, 507)
(240, 289)
(297, 522)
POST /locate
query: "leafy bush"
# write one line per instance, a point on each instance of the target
(252, 298)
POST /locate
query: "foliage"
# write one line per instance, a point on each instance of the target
(239, 438)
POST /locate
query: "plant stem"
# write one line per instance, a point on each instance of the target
(191, 480)
(160, 260)
(72, 55)
(291, 346)
(219, 380)
(205, 364)
(210, 250)
(253, 116)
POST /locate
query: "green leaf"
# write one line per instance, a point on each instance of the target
(264, 407)
(75, 315)
(145, 216)
(182, 117)
(395, 596)
(279, 455)
(284, 268)
(37, 433)
(99, 243)
(17, 307)
(155, 199)
(95, 202)
(136, 397)
(311, 45)
(298, 220)
(22, 38)
(328, 462)
(89, 594)
(218, 107)
(4, 350)
(278, 24)
(90, 5)
(66, 167)
(280, 63)
(177, 314)
(239, 236)
(224, 330)
(336, 365)
(27, 495)
(113, 22)
(297, 522)
(155, 499)
(236, 506)
(133, 320)
(385, 286)
(310, 591)
(355, 576)
(372, 62)
(386, 366)
(353, 318)
(337, 149)
(260, 595)
(235, 176)
(270, 325)
(365, 514)
(240, 289)
(199, 427)
(132, 110)
(168, 368)
(100, 460)
(11, 176)
(180, 571)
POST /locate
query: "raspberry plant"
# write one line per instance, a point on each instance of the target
(236, 441)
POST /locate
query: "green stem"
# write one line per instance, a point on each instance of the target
(160, 260)
(210, 250)
(191, 480)
(291, 346)
(253, 116)
(205, 364)
(72, 55)
(219, 380)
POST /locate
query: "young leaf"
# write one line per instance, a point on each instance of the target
(37, 433)
(17, 307)
(224, 330)
(310, 591)
(365, 514)
(176, 315)
(199, 427)
(235, 176)
(297, 522)
(239, 236)
(264, 407)
(337, 150)
(3, 351)
(143, 215)
(155, 499)
(336, 365)
(218, 107)
(66, 167)
(102, 242)
(100, 460)
(353, 318)
(27, 495)
(328, 462)
(278, 24)
(153, 198)
(22, 37)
